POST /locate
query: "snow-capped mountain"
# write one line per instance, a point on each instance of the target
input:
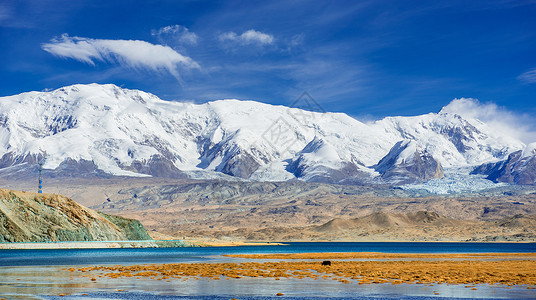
(319, 161)
(406, 163)
(518, 168)
(104, 129)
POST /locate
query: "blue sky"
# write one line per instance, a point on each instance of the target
(369, 59)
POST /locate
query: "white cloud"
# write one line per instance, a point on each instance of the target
(134, 54)
(528, 77)
(5, 13)
(176, 34)
(507, 122)
(296, 40)
(250, 37)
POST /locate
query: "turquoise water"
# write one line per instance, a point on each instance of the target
(41, 274)
(170, 255)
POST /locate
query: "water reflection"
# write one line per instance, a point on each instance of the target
(50, 282)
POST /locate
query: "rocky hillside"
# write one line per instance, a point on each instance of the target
(30, 217)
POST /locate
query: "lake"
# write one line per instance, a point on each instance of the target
(41, 274)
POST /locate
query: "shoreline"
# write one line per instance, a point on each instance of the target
(129, 244)
(95, 245)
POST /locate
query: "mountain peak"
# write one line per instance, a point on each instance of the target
(119, 131)
(406, 163)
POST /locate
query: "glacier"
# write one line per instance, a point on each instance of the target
(456, 181)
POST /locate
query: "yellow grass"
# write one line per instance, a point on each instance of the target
(507, 269)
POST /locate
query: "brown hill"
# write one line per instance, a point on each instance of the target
(418, 226)
(381, 220)
(518, 221)
(31, 217)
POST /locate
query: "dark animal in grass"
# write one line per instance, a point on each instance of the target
(326, 263)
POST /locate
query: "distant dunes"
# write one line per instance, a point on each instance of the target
(426, 225)
(382, 226)
(385, 220)
(31, 217)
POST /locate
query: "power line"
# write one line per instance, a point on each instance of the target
(40, 177)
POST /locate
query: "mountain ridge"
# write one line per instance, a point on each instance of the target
(106, 130)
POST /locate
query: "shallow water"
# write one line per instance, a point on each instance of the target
(40, 274)
(49, 282)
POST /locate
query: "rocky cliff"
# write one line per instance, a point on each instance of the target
(519, 168)
(30, 217)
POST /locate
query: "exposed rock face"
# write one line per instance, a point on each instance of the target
(156, 166)
(405, 163)
(320, 162)
(234, 160)
(9, 159)
(240, 165)
(22, 167)
(30, 217)
(519, 168)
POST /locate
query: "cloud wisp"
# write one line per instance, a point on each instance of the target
(133, 54)
(176, 34)
(528, 77)
(5, 12)
(513, 124)
(250, 37)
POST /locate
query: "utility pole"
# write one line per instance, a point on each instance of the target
(40, 177)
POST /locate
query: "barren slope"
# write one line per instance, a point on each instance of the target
(282, 211)
(279, 211)
(390, 227)
(30, 217)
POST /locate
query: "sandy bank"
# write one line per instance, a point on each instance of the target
(207, 242)
(133, 244)
(97, 245)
